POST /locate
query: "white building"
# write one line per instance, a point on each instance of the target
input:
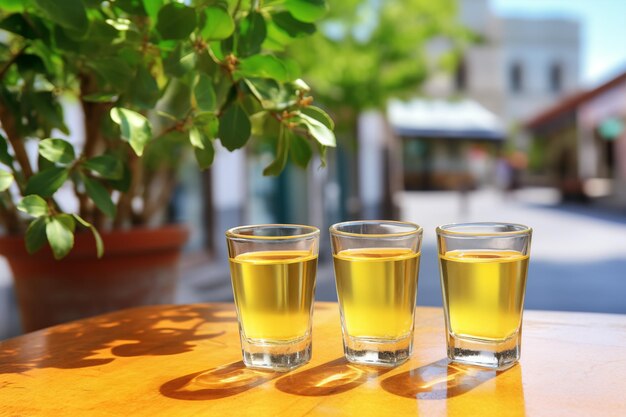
(519, 65)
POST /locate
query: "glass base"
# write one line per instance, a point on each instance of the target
(276, 356)
(377, 352)
(498, 355)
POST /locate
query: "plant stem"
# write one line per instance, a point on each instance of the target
(8, 124)
(10, 62)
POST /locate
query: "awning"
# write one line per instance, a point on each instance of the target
(459, 119)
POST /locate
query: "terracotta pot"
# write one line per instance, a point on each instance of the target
(139, 267)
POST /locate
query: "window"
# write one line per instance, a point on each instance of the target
(556, 77)
(516, 76)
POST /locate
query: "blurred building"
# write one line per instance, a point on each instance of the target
(579, 144)
(517, 66)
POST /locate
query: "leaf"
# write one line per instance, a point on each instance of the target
(307, 10)
(6, 179)
(300, 151)
(203, 148)
(218, 24)
(282, 151)
(57, 150)
(123, 184)
(273, 96)
(263, 66)
(16, 23)
(100, 196)
(252, 33)
(30, 63)
(176, 21)
(195, 138)
(205, 94)
(208, 123)
(5, 156)
(96, 234)
(60, 235)
(319, 115)
(292, 27)
(36, 235)
(135, 128)
(107, 166)
(152, 8)
(319, 131)
(144, 91)
(100, 97)
(234, 130)
(115, 71)
(70, 14)
(46, 182)
(33, 205)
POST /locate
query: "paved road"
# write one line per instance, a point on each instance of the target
(578, 256)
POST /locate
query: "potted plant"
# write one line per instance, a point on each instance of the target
(153, 79)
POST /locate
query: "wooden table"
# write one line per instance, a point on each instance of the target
(185, 361)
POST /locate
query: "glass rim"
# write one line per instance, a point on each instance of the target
(233, 231)
(417, 228)
(521, 229)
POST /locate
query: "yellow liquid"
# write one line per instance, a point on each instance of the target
(274, 293)
(377, 289)
(484, 292)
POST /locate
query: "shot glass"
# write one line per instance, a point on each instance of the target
(483, 280)
(273, 269)
(376, 264)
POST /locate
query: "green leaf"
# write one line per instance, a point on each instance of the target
(282, 151)
(16, 23)
(300, 151)
(135, 128)
(70, 14)
(208, 123)
(196, 139)
(60, 234)
(176, 21)
(30, 63)
(107, 166)
(100, 196)
(152, 8)
(252, 33)
(218, 24)
(123, 184)
(46, 182)
(319, 131)
(100, 97)
(144, 91)
(234, 130)
(6, 179)
(57, 150)
(264, 66)
(273, 96)
(5, 156)
(307, 10)
(36, 234)
(33, 205)
(115, 71)
(319, 115)
(205, 94)
(96, 234)
(203, 148)
(292, 27)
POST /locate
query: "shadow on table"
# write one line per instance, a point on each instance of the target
(216, 383)
(330, 378)
(436, 381)
(143, 331)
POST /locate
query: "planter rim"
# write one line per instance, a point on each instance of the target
(116, 242)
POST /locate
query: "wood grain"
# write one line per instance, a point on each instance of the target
(186, 361)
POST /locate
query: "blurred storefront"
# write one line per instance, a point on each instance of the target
(447, 145)
(579, 144)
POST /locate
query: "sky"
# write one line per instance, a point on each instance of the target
(603, 26)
